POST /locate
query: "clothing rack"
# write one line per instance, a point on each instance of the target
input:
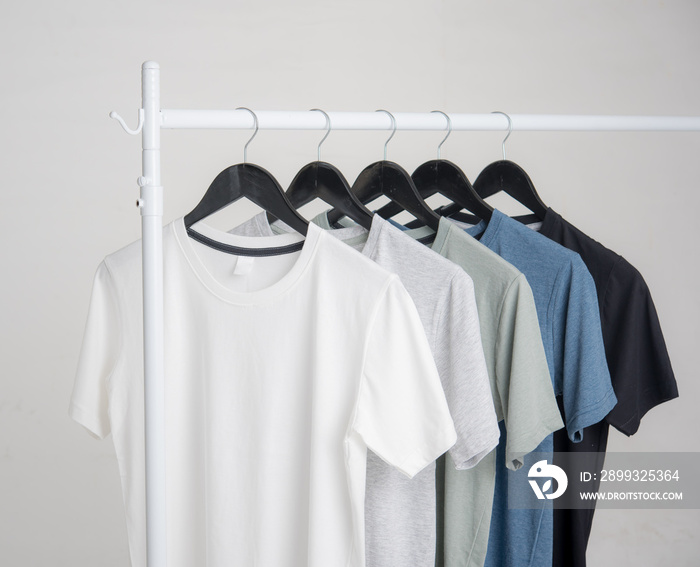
(152, 119)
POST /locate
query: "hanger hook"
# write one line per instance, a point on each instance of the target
(449, 130)
(510, 129)
(128, 130)
(393, 123)
(255, 121)
(328, 125)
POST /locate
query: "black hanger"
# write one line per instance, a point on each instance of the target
(450, 181)
(390, 179)
(322, 180)
(444, 177)
(256, 184)
(505, 175)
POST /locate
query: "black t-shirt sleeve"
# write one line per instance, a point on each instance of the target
(638, 361)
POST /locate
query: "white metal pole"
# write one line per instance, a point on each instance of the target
(151, 205)
(305, 120)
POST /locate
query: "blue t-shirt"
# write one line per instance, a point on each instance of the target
(569, 319)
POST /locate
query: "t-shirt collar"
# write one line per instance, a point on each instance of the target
(264, 227)
(488, 230)
(287, 280)
(377, 230)
(547, 225)
(549, 222)
(443, 232)
(351, 234)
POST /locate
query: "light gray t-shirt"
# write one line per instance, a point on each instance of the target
(400, 513)
(520, 381)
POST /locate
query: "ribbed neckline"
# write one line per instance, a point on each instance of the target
(488, 231)
(288, 280)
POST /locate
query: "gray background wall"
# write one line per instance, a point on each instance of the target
(68, 176)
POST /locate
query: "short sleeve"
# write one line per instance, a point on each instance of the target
(582, 377)
(461, 364)
(401, 412)
(639, 364)
(524, 384)
(99, 354)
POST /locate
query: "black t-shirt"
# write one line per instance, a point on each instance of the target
(639, 366)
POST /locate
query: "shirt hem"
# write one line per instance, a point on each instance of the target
(590, 416)
(475, 458)
(418, 461)
(637, 417)
(89, 422)
(515, 459)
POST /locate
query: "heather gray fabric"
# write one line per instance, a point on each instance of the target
(400, 513)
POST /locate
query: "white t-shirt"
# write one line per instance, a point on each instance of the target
(270, 404)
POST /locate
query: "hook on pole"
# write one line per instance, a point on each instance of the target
(449, 130)
(255, 124)
(393, 124)
(328, 131)
(510, 130)
(128, 130)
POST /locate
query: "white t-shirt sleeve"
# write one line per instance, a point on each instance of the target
(401, 412)
(461, 363)
(99, 355)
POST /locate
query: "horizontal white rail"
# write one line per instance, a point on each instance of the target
(307, 120)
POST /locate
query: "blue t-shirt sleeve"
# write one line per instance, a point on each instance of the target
(583, 377)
